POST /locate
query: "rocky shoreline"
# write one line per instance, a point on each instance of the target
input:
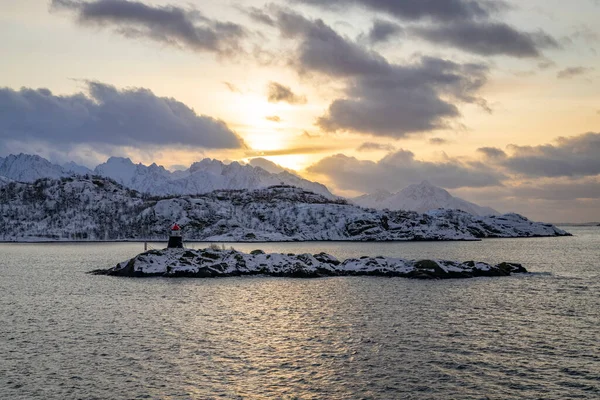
(212, 263)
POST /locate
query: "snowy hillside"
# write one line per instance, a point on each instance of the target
(421, 197)
(28, 168)
(76, 168)
(96, 208)
(4, 181)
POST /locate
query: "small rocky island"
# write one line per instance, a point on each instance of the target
(214, 262)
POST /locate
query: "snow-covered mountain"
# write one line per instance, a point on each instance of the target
(4, 180)
(28, 168)
(76, 168)
(96, 208)
(421, 198)
(202, 177)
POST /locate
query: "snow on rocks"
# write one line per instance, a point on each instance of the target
(96, 208)
(213, 262)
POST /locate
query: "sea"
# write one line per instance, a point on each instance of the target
(66, 334)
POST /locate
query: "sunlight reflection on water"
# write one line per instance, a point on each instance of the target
(66, 334)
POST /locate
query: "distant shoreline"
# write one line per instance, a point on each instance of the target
(266, 242)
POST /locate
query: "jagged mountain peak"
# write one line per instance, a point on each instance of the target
(202, 177)
(28, 168)
(119, 160)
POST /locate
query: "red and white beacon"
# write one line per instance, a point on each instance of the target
(175, 238)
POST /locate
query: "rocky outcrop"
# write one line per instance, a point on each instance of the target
(210, 263)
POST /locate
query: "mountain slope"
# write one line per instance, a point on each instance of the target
(76, 168)
(95, 208)
(202, 177)
(28, 168)
(4, 180)
(421, 198)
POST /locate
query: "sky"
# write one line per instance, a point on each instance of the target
(496, 101)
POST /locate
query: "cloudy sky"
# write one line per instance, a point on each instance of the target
(496, 101)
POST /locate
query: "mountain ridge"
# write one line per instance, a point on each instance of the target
(97, 208)
(201, 177)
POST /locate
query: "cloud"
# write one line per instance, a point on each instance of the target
(276, 92)
(414, 10)
(545, 64)
(324, 51)
(370, 146)
(269, 166)
(492, 152)
(586, 188)
(487, 38)
(468, 25)
(107, 116)
(259, 15)
(290, 151)
(573, 156)
(437, 141)
(232, 88)
(550, 200)
(405, 99)
(170, 25)
(381, 98)
(309, 135)
(400, 169)
(273, 118)
(573, 72)
(382, 31)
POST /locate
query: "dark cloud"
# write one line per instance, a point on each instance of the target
(487, 38)
(323, 50)
(108, 116)
(405, 99)
(465, 24)
(438, 10)
(382, 31)
(276, 92)
(492, 152)
(273, 118)
(401, 169)
(170, 25)
(259, 15)
(382, 99)
(573, 72)
(370, 146)
(570, 157)
(437, 141)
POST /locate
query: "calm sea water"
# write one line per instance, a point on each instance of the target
(68, 335)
